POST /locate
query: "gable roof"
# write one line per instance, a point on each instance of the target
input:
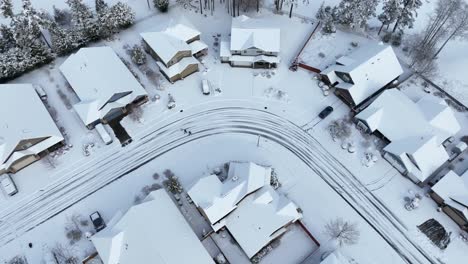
(453, 189)
(414, 129)
(164, 45)
(92, 72)
(19, 123)
(153, 230)
(253, 33)
(370, 67)
(217, 199)
(182, 32)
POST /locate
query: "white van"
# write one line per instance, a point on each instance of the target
(8, 185)
(103, 134)
(205, 87)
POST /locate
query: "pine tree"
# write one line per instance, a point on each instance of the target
(407, 15)
(6, 8)
(326, 15)
(83, 20)
(122, 14)
(101, 6)
(62, 16)
(162, 5)
(7, 39)
(64, 40)
(390, 12)
(352, 13)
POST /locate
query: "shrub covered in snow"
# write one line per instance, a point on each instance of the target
(138, 55)
(161, 5)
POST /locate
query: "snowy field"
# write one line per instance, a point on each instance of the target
(257, 117)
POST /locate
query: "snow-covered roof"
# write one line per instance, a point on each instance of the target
(252, 59)
(24, 117)
(92, 73)
(454, 190)
(177, 68)
(417, 129)
(370, 67)
(153, 230)
(166, 44)
(183, 32)
(254, 33)
(246, 204)
(217, 199)
(260, 218)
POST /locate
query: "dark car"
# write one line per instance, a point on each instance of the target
(97, 221)
(325, 112)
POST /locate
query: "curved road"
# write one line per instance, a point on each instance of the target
(88, 176)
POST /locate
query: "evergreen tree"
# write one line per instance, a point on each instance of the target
(62, 16)
(6, 8)
(162, 5)
(7, 40)
(122, 14)
(326, 15)
(101, 6)
(83, 20)
(390, 12)
(407, 15)
(352, 13)
(64, 40)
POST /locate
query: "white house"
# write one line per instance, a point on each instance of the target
(363, 73)
(27, 131)
(451, 193)
(104, 85)
(415, 131)
(151, 232)
(175, 49)
(246, 205)
(252, 44)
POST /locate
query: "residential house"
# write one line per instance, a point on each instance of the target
(252, 44)
(364, 73)
(246, 205)
(451, 193)
(154, 232)
(27, 131)
(106, 88)
(415, 131)
(336, 257)
(175, 49)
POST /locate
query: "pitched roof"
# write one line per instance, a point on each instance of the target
(246, 205)
(153, 230)
(414, 129)
(177, 68)
(182, 32)
(92, 73)
(253, 33)
(370, 67)
(453, 189)
(19, 123)
(217, 198)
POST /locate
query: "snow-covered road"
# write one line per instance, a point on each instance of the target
(87, 176)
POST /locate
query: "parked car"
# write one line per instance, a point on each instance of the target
(97, 221)
(325, 112)
(40, 91)
(8, 185)
(103, 134)
(206, 87)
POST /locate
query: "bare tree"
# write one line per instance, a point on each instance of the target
(458, 26)
(63, 255)
(344, 232)
(17, 260)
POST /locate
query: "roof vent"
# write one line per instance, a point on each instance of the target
(235, 178)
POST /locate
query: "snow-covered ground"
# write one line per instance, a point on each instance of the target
(257, 117)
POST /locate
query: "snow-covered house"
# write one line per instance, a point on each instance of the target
(246, 205)
(252, 44)
(175, 49)
(27, 131)
(363, 73)
(106, 88)
(151, 232)
(451, 193)
(415, 131)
